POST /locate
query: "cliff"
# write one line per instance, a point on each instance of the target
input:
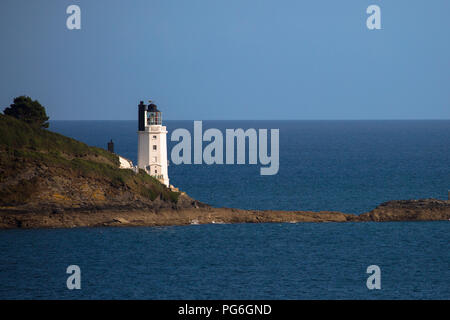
(42, 171)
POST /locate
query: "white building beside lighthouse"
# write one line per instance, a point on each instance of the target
(152, 143)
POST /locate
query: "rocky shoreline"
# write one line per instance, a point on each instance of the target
(405, 210)
(48, 180)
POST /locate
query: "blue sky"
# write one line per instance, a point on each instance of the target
(234, 59)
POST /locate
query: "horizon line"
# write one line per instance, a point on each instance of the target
(430, 119)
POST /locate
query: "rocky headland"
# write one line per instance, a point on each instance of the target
(51, 181)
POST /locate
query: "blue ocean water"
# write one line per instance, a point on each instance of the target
(242, 261)
(349, 166)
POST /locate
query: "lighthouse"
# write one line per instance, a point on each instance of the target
(152, 142)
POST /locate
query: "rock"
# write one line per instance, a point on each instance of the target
(120, 220)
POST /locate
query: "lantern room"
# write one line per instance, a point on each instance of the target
(153, 115)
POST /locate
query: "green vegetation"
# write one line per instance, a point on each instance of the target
(23, 145)
(29, 111)
(18, 135)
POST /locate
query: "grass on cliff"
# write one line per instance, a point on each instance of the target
(22, 145)
(16, 134)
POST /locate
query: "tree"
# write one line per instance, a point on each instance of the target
(28, 110)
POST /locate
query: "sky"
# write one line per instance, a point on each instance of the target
(227, 60)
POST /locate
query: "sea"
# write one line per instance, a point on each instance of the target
(346, 166)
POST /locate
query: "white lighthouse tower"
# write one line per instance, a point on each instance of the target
(152, 143)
